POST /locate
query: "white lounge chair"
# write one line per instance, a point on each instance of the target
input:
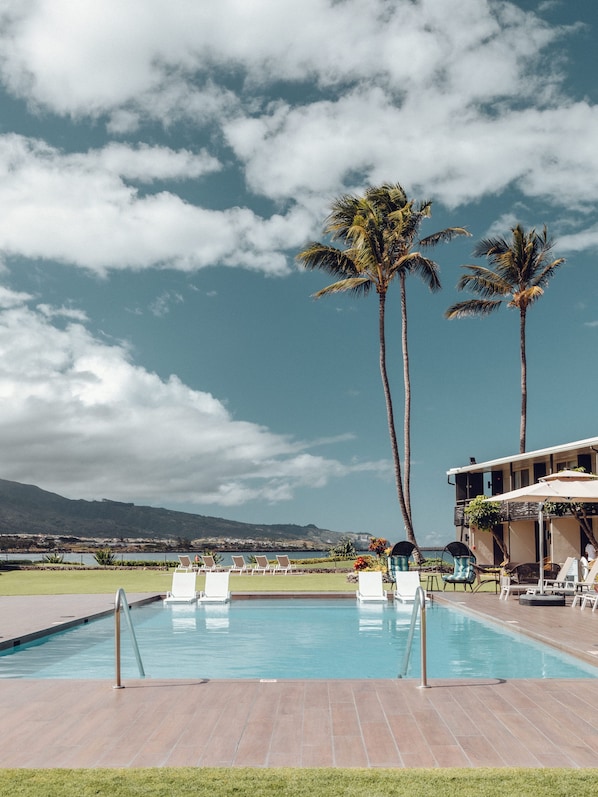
(371, 587)
(566, 579)
(183, 588)
(185, 563)
(406, 584)
(586, 588)
(216, 588)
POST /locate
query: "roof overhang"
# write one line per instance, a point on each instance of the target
(529, 456)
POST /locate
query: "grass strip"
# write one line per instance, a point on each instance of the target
(97, 582)
(208, 782)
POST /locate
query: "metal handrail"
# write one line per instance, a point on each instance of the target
(120, 601)
(418, 603)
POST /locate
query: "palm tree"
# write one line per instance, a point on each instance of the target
(379, 230)
(522, 269)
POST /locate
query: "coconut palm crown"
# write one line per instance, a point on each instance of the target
(378, 231)
(521, 269)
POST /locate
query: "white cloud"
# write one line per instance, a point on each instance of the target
(78, 417)
(78, 209)
(457, 100)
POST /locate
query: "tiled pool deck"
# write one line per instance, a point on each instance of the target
(321, 723)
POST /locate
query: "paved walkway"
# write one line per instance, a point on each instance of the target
(323, 723)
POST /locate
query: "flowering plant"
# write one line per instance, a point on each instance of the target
(362, 563)
(378, 545)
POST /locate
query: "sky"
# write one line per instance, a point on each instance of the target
(161, 165)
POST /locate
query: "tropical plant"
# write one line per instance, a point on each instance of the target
(378, 545)
(217, 557)
(54, 558)
(485, 515)
(363, 563)
(521, 270)
(378, 232)
(344, 549)
(104, 557)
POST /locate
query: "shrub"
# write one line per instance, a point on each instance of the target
(104, 557)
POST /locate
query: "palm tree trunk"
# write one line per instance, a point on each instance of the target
(391, 422)
(407, 387)
(523, 424)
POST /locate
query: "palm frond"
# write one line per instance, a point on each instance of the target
(426, 269)
(443, 236)
(349, 285)
(484, 281)
(472, 307)
(326, 258)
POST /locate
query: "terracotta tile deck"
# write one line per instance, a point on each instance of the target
(323, 723)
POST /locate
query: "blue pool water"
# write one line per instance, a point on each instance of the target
(289, 639)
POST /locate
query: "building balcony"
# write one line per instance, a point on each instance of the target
(514, 511)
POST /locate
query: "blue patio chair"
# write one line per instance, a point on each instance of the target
(463, 572)
(398, 560)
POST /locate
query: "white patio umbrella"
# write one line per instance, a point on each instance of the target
(565, 486)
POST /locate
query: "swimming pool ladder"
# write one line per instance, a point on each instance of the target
(418, 603)
(120, 601)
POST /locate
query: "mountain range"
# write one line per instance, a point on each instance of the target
(26, 509)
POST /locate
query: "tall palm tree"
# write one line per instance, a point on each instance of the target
(521, 270)
(378, 231)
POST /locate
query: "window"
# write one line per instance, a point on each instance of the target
(520, 478)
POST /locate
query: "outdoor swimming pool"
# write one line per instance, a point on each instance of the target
(299, 638)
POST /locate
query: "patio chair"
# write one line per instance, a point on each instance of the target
(463, 565)
(208, 564)
(371, 587)
(510, 587)
(587, 587)
(262, 565)
(566, 578)
(283, 565)
(239, 565)
(185, 563)
(183, 588)
(398, 560)
(406, 585)
(216, 588)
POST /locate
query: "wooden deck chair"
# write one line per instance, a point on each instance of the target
(185, 563)
(239, 565)
(283, 565)
(262, 565)
(209, 565)
(371, 587)
(183, 588)
(216, 588)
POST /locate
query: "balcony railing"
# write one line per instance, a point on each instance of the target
(511, 511)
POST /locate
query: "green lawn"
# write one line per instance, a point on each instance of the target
(299, 783)
(57, 582)
(60, 582)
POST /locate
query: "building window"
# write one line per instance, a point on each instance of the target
(566, 464)
(520, 478)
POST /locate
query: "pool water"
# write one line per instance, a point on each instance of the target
(304, 638)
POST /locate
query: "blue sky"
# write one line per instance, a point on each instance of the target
(162, 164)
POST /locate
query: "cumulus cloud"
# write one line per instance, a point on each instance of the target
(78, 208)
(78, 417)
